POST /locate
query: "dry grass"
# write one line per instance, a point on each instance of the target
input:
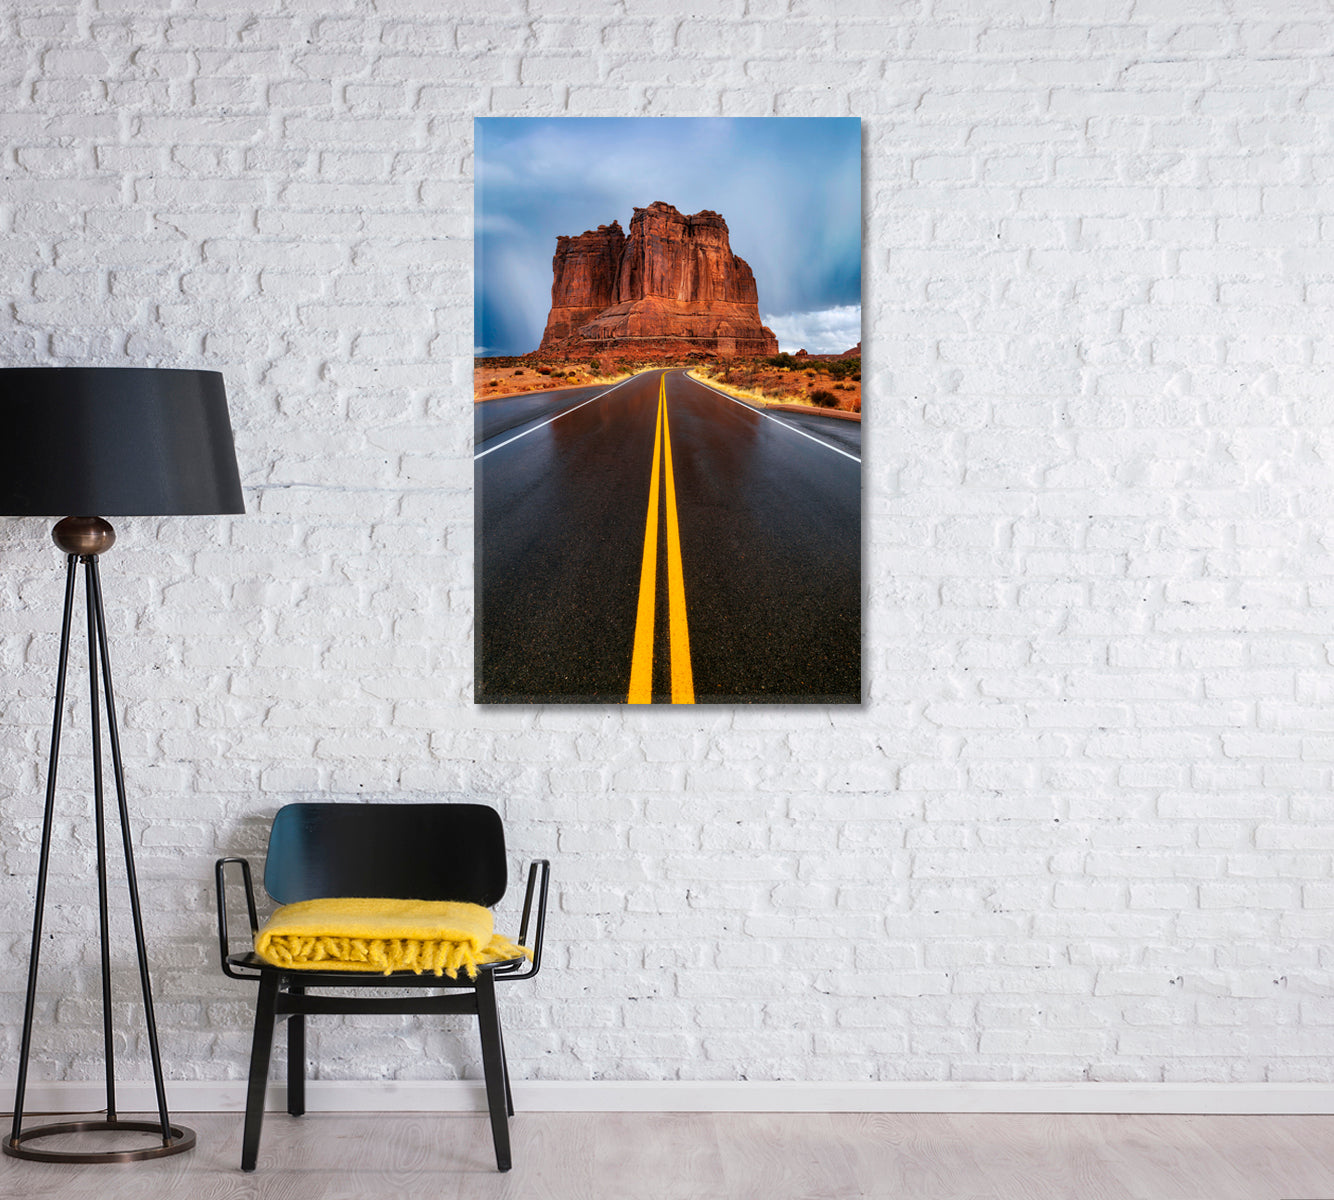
(740, 393)
(821, 384)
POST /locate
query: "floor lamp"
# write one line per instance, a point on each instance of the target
(111, 442)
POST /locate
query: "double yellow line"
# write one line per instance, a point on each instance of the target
(641, 663)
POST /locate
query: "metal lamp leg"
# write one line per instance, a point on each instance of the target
(34, 955)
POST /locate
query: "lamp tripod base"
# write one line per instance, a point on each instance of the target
(83, 539)
(181, 1140)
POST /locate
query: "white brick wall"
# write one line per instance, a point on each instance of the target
(1081, 829)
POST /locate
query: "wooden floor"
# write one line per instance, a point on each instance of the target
(702, 1156)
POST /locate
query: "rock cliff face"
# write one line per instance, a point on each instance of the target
(672, 287)
(584, 276)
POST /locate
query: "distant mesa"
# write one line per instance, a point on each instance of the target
(671, 288)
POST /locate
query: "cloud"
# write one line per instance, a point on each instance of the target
(821, 331)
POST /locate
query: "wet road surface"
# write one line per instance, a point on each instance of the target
(657, 541)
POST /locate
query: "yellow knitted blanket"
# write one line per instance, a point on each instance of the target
(355, 934)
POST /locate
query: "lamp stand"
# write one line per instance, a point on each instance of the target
(83, 539)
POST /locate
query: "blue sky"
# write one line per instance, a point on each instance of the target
(789, 189)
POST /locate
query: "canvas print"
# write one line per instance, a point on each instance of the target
(667, 411)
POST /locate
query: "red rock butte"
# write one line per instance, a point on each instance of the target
(671, 288)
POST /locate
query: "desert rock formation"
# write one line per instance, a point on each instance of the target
(669, 288)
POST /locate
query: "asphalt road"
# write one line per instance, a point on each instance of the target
(659, 541)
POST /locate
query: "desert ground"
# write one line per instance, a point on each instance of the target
(514, 376)
(819, 382)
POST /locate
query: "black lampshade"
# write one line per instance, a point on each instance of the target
(115, 441)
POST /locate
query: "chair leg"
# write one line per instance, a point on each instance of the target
(505, 1062)
(296, 1059)
(493, 1066)
(261, 1049)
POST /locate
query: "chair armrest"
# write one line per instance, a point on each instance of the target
(539, 877)
(224, 947)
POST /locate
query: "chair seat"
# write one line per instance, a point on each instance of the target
(313, 977)
(387, 933)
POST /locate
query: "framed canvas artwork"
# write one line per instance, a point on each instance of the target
(667, 411)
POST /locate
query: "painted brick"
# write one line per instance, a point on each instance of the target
(1082, 816)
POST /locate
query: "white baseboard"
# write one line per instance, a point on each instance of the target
(627, 1096)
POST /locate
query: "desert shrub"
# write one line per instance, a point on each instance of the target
(519, 371)
(824, 399)
(779, 360)
(595, 366)
(544, 370)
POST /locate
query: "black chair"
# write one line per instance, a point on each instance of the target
(392, 851)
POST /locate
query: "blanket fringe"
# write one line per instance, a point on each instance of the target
(331, 953)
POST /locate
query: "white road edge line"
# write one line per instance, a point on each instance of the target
(557, 417)
(776, 421)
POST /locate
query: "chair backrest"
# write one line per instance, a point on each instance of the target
(393, 851)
